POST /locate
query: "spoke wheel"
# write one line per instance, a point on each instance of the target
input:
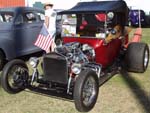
(14, 76)
(89, 91)
(86, 90)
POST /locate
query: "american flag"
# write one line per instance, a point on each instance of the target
(45, 41)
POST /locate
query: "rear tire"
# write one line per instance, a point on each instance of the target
(137, 57)
(86, 90)
(14, 76)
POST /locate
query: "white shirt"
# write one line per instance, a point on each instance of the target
(52, 21)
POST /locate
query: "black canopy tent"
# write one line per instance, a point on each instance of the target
(86, 11)
(98, 6)
(116, 6)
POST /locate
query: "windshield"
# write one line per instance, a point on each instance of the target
(69, 23)
(83, 25)
(6, 17)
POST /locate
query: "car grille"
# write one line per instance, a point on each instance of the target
(55, 68)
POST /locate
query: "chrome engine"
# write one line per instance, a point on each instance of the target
(77, 53)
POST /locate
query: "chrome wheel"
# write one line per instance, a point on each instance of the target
(17, 77)
(146, 58)
(86, 90)
(89, 91)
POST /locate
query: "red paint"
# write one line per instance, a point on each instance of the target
(101, 17)
(136, 38)
(11, 3)
(81, 27)
(105, 54)
(137, 35)
(84, 23)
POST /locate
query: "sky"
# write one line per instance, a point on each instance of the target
(67, 4)
(139, 4)
(136, 4)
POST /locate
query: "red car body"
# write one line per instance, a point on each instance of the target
(105, 54)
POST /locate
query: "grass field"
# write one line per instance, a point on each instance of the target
(124, 93)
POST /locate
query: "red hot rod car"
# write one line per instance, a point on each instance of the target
(95, 47)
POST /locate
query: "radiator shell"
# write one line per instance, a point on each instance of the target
(55, 68)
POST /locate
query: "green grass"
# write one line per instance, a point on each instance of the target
(124, 93)
(145, 35)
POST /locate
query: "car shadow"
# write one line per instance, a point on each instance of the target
(136, 89)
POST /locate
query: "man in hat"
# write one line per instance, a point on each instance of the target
(50, 22)
(50, 18)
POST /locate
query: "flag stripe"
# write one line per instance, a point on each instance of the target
(46, 46)
(44, 40)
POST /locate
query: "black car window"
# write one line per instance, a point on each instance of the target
(41, 16)
(29, 17)
(1, 18)
(6, 17)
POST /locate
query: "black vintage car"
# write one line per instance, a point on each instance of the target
(19, 28)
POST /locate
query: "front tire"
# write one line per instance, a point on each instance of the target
(86, 90)
(14, 76)
(137, 57)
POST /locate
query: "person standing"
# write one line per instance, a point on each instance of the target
(50, 23)
(50, 18)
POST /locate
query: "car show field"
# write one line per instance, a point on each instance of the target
(123, 93)
(98, 65)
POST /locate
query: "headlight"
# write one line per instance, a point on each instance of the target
(33, 61)
(76, 68)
